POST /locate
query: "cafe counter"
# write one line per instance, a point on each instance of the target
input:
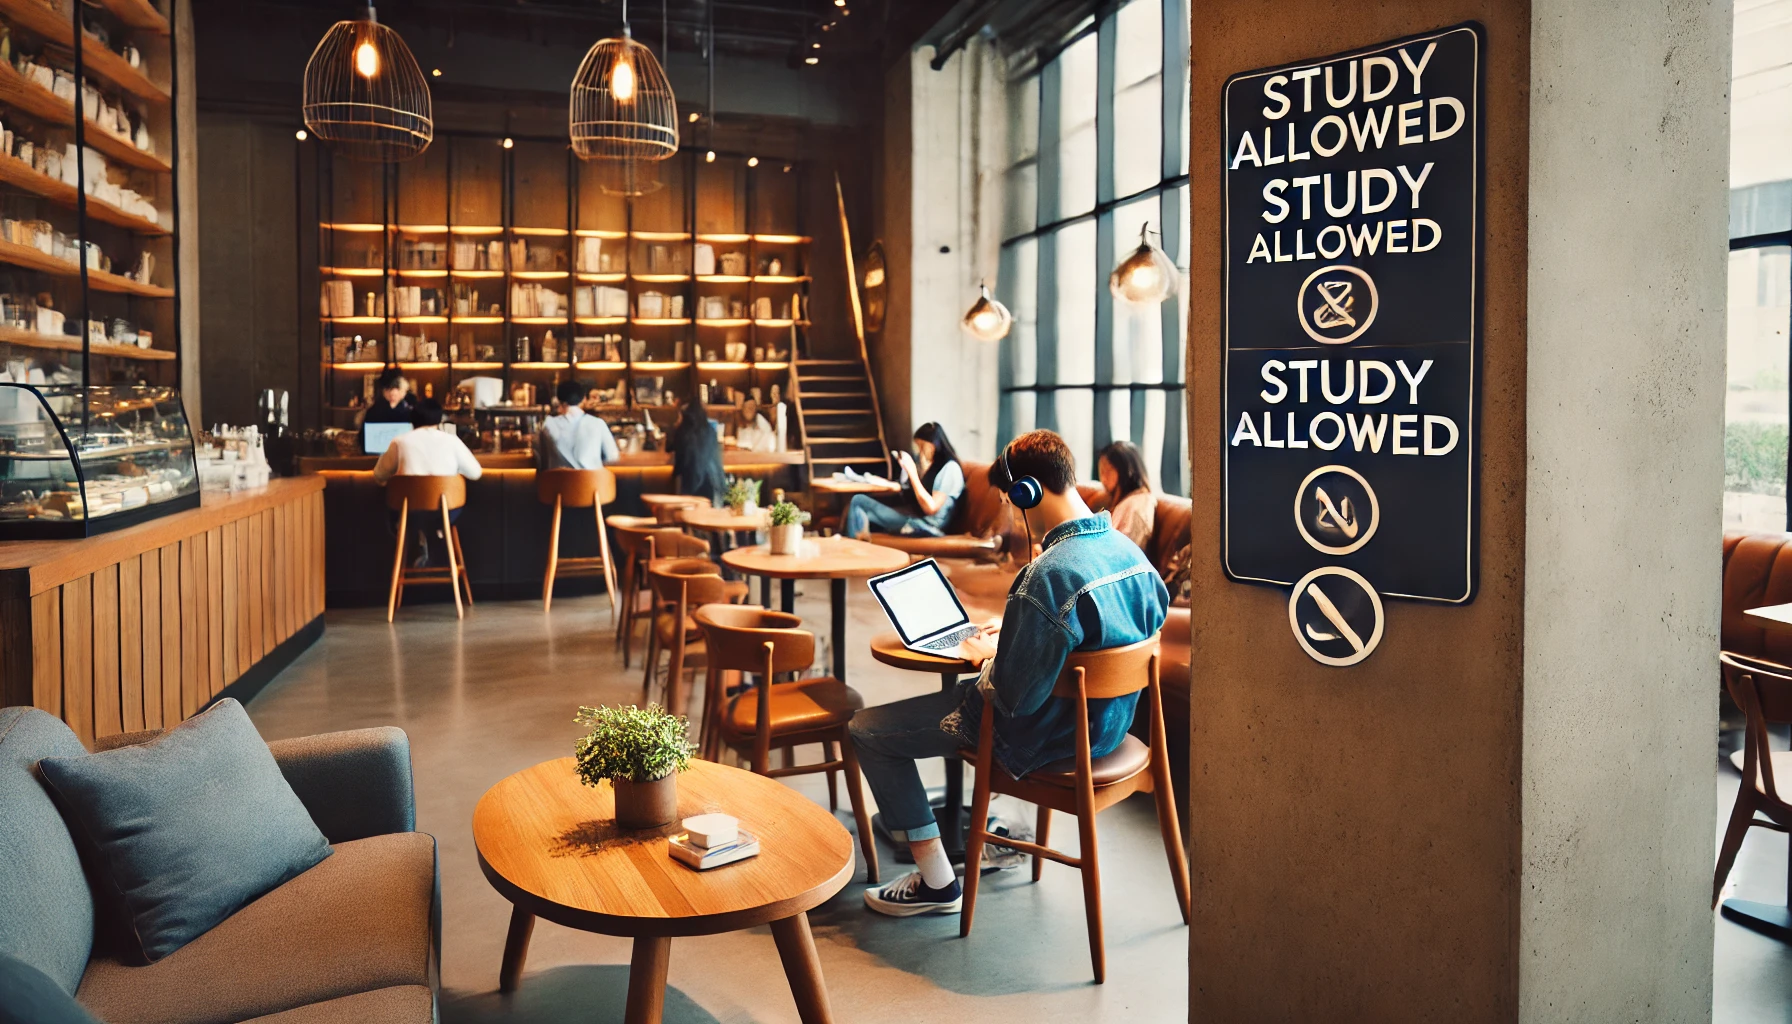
(143, 627)
(504, 529)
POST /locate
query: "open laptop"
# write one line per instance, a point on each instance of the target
(375, 437)
(924, 609)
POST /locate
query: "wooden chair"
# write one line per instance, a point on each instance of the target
(618, 523)
(641, 545)
(1763, 690)
(578, 488)
(747, 638)
(446, 493)
(1083, 785)
(679, 586)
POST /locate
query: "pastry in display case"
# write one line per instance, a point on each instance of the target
(79, 461)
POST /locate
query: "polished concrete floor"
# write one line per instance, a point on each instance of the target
(496, 693)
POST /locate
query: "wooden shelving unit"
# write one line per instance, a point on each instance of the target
(474, 224)
(91, 299)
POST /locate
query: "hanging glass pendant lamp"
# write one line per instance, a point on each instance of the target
(987, 319)
(1145, 277)
(622, 105)
(365, 96)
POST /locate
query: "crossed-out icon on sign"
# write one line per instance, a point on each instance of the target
(1336, 304)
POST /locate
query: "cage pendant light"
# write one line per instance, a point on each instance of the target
(622, 104)
(365, 96)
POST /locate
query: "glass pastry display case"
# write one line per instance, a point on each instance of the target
(79, 461)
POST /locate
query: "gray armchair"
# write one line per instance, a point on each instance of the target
(355, 938)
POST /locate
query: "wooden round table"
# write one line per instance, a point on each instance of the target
(550, 845)
(887, 648)
(835, 559)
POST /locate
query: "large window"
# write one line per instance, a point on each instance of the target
(1098, 147)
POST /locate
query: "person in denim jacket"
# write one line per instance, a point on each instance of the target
(1089, 589)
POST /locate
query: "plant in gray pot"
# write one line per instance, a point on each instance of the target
(641, 751)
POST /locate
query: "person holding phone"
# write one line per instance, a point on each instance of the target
(929, 492)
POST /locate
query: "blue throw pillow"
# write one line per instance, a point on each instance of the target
(28, 996)
(188, 828)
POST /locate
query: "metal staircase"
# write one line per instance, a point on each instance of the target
(836, 399)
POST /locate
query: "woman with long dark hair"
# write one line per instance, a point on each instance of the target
(1132, 503)
(697, 454)
(930, 491)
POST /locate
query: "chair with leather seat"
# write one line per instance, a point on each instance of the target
(405, 494)
(750, 639)
(1083, 785)
(640, 546)
(1763, 690)
(577, 488)
(678, 587)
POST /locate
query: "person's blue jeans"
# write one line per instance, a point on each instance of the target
(864, 511)
(889, 739)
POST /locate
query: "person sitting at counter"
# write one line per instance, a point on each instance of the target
(1088, 590)
(928, 496)
(427, 450)
(752, 431)
(697, 454)
(394, 402)
(573, 438)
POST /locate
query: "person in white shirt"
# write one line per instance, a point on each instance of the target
(753, 432)
(573, 438)
(426, 451)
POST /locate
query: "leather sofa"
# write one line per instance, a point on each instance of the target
(983, 526)
(1757, 571)
(355, 938)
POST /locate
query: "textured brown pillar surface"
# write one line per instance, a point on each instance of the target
(1356, 832)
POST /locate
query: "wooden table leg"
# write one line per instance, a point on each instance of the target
(787, 596)
(765, 593)
(647, 979)
(516, 948)
(796, 947)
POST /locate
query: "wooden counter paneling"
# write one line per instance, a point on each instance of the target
(141, 628)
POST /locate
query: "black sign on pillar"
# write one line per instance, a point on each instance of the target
(1353, 192)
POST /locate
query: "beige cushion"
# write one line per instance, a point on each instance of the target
(400, 1004)
(358, 921)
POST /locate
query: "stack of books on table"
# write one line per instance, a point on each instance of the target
(745, 844)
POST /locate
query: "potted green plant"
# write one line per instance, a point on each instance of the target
(641, 751)
(786, 530)
(742, 497)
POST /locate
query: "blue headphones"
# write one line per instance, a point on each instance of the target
(1025, 492)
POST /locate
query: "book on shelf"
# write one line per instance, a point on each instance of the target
(682, 850)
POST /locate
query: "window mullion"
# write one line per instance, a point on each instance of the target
(1104, 340)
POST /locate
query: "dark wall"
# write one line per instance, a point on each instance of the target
(248, 263)
(1356, 832)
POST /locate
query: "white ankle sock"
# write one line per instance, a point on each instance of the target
(936, 867)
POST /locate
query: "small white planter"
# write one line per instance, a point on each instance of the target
(784, 539)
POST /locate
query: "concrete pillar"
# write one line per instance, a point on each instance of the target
(1505, 813)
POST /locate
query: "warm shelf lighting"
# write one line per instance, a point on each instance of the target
(709, 157)
(811, 60)
(300, 135)
(695, 117)
(509, 143)
(364, 94)
(987, 319)
(437, 72)
(752, 161)
(1146, 277)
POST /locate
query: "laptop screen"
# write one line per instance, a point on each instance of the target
(919, 601)
(375, 437)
